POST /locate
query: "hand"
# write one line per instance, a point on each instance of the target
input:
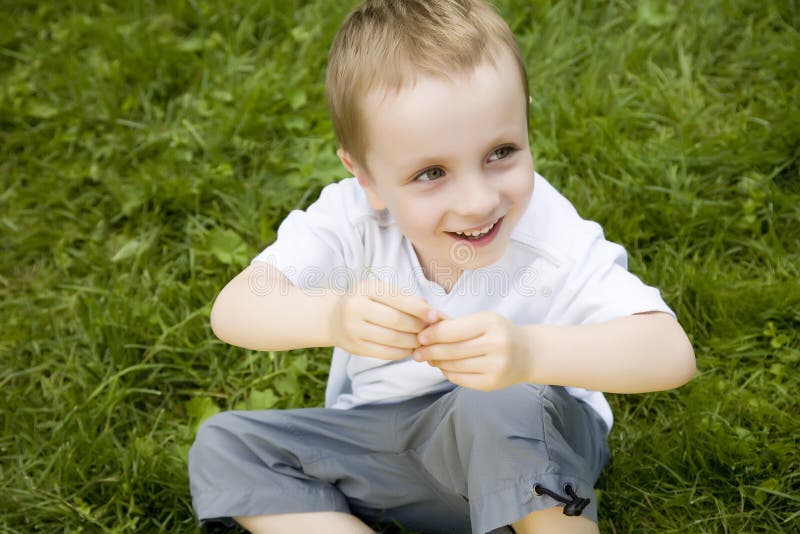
(374, 319)
(482, 351)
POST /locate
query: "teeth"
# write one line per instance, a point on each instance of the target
(479, 232)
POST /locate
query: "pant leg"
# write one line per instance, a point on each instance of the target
(251, 463)
(494, 447)
(318, 459)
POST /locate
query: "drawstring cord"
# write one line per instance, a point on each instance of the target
(573, 506)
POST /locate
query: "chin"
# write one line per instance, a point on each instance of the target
(487, 261)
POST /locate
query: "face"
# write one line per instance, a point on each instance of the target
(450, 156)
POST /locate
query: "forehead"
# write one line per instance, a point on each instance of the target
(439, 116)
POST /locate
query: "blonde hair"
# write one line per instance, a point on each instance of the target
(384, 43)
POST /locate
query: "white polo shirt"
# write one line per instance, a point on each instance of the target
(557, 269)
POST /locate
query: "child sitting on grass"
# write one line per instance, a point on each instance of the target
(476, 317)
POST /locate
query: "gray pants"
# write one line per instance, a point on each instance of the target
(454, 462)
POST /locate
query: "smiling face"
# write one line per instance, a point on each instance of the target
(450, 156)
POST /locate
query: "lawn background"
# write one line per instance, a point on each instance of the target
(149, 149)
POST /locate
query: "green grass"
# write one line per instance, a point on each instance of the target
(149, 149)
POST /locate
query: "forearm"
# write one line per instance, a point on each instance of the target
(635, 354)
(272, 316)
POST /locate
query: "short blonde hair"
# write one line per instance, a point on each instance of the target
(384, 43)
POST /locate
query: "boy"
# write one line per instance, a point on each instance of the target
(453, 282)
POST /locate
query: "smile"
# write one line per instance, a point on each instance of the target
(479, 232)
(481, 236)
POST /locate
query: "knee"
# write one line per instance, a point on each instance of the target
(216, 428)
(479, 402)
(236, 433)
(207, 453)
(212, 436)
(521, 403)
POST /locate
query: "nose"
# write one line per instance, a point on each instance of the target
(475, 198)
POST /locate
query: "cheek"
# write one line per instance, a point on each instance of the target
(419, 217)
(523, 181)
(526, 186)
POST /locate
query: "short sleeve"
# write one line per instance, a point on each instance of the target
(318, 246)
(600, 287)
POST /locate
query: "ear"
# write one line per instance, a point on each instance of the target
(364, 180)
(347, 161)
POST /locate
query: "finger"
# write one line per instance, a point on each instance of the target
(451, 351)
(472, 365)
(383, 352)
(468, 380)
(412, 305)
(385, 316)
(453, 330)
(388, 337)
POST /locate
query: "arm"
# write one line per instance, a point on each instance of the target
(634, 354)
(261, 309)
(282, 318)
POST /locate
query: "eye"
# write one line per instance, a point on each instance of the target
(502, 153)
(433, 174)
